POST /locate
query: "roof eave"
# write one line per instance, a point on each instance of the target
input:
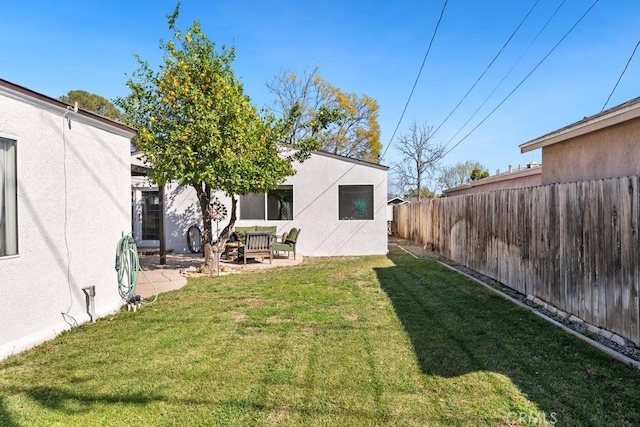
(21, 93)
(505, 176)
(606, 119)
(351, 160)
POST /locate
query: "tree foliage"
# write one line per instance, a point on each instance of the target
(198, 127)
(92, 102)
(345, 123)
(424, 193)
(461, 173)
(478, 172)
(420, 156)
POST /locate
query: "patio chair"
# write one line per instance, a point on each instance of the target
(257, 244)
(288, 243)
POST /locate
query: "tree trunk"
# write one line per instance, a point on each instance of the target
(211, 251)
(226, 231)
(419, 183)
(203, 191)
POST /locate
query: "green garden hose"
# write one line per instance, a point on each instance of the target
(128, 266)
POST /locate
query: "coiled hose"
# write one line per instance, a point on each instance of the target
(127, 267)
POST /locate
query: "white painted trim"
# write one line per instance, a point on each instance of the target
(7, 136)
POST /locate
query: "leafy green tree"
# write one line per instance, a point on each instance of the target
(196, 126)
(478, 173)
(92, 102)
(461, 173)
(345, 123)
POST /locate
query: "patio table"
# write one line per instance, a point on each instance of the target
(230, 248)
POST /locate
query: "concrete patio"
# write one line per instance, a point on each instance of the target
(173, 275)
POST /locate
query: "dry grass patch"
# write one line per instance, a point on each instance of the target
(350, 317)
(237, 316)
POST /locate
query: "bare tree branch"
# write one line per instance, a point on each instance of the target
(420, 158)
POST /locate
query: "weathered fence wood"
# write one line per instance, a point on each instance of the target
(573, 245)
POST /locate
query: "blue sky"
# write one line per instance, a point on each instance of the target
(373, 47)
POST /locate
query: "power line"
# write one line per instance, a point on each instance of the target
(523, 80)
(622, 74)
(507, 74)
(435, 31)
(488, 66)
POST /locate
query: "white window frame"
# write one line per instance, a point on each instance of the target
(9, 201)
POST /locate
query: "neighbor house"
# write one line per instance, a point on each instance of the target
(529, 176)
(64, 204)
(604, 145)
(338, 203)
(391, 203)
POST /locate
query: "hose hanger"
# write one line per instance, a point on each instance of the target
(127, 266)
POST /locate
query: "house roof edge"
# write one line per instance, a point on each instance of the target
(351, 159)
(620, 113)
(22, 93)
(505, 176)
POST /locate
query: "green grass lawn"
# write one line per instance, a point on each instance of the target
(332, 342)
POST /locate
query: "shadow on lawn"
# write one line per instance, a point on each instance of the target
(70, 403)
(458, 327)
(5, 418)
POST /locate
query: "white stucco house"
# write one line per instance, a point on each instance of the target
(64, 203)
(338, 203)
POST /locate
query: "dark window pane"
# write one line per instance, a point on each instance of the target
(150, 215)
(252, 206)
(280, 203)
(355, 202)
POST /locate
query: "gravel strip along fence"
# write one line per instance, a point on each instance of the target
(628, 351)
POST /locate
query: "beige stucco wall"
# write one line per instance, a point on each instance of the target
(607, 153)
(517, 179)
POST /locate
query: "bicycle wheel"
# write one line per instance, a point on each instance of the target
(194, 239)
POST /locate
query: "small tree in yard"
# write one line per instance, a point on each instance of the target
(196, 126)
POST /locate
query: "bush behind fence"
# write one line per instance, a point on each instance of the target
(574, 245)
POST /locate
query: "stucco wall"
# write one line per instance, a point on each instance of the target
(607, 153)
(73, 206)
(315, 207)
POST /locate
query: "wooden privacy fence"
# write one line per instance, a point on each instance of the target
(573, 245)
